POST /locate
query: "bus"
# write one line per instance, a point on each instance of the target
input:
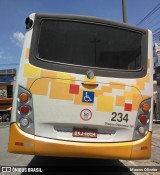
(84, 89)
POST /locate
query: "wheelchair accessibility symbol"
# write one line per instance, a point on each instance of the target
(88, 97)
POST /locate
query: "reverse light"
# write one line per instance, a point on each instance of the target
(24, 109)
(24, 122)
(19, 143)
(143, 118)
(141, 130)
(23, 97)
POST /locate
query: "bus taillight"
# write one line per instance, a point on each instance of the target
(145, 107)
(25, 115)
(143, 118)
(24, 122)
(142, 130)
(142, 124)
(24, 109)
(24, 97)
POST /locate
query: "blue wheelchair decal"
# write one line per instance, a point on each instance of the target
(88, 97)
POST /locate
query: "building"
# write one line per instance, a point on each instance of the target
(7, 81)
(156, 75)
(156, 59)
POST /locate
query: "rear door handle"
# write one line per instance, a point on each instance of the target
(90, 84)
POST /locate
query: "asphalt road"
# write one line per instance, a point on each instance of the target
(81, 166)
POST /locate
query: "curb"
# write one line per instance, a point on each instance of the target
(156, 121)
(3, 124)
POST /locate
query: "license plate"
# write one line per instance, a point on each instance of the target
(83, 132)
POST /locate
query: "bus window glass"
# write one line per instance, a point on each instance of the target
(88, 44)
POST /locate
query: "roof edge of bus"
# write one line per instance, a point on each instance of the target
(32, 15)
(77, 16)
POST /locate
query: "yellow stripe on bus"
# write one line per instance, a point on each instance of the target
(51, 147)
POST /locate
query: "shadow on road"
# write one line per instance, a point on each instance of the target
(58, 165)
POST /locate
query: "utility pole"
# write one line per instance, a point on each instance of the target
(125, 20)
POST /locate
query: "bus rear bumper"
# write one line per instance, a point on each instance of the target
(24, 143)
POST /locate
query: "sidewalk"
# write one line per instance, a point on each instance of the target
(155, 157)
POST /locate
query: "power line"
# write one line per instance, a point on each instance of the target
(156, 30)
(156, 33)
(156, 36)
(152, 20)
(149, 14)
(154, 24)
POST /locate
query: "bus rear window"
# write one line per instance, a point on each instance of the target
(89, 44)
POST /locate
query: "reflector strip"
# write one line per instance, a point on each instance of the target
(143, 147)
(128, 107)
(19, 143)
(140, 148)
(23, 144)
(136, 148)
(28, 144)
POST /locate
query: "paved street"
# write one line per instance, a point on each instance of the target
(156, 143)
(9, 159)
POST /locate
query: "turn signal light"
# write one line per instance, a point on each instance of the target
(24, 97)
(24, 109)
(145, 107)
(143, 118)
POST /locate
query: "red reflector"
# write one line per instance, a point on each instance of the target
(19, 143)
(143, 147)
(24, 109)
(143, 118)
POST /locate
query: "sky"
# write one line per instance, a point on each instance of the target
(14, 12)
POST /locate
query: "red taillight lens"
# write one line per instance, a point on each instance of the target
(143, 118)
(24, 109)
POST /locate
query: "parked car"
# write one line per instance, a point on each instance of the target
(5, 116)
